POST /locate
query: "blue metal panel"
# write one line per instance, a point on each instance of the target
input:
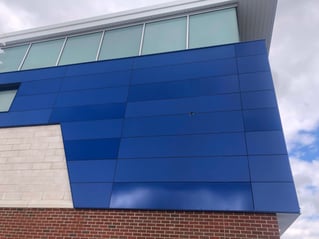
(25, 118)
(91, 195)
(259, 99)
(264, 119)
(88, 171)
(214, 169)
(183, 146)
(179, 106)
(40, 87)
(256, 81)
(253, 64)
(266, 142)
(92, 129)
(91, 149)
(33, 102)
(183, 196)
(270, 168)
(201, 123)
(251, 48)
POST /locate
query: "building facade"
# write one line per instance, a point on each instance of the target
(160, 122)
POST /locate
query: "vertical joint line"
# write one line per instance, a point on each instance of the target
(142, 40)
(100, 46)
(24, 57)
(60, 54)
(187, 32)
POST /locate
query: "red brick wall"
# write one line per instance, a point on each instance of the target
(132, 224)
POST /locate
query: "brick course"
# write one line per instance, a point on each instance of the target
(23, 223)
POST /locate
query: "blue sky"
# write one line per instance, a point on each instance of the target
(294, 60)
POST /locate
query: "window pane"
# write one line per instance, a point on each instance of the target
(37, 59)
(11, 58)
(163, 36)
(6, 98)
(213, 28)
(122, 42)
(81, 49)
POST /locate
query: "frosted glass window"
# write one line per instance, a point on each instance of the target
(6, 98)
(43, 54)
(11, 58)
(121, 42)
(164, 36)
(81, 48)
(213, 28)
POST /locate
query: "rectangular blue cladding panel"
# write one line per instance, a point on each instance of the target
(40, 87)
(259, 99)
(92, 129)
(35, 117)
(91, 149)
(225, 102)
(256, 81)
(91, 195)
(88, 171)
(184, 124)
(183, 146)
(214, 169)
(263, 119)
(271, 168)
(92, 97)
(251, 48)
(275, 197)
(183, 196)
(266, 142)
(185, 71)
(88, 112)
(187, 88)
(33, 102)
(253, 63)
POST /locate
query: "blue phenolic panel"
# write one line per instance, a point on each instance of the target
(186, 105)
(24, 118)
(185, 71)
(183, 146)
(275, 197)
(91, 97)
(102, 80)
(33, 102)
(271, 168)
(88, 171)
(91, 149)
(256, 81)
(92, 129)
(184, 124)
(39, 87)
(266, 142)
(259, 99)
(263, 119)
(180, 89)
(253, 63)
(183, 196)
(214, 169)
(91, 195)
(88, 112)
(251, 48)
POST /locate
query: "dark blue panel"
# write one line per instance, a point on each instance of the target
(33, 102)
(91, 171)
(259, 99)
(91, 195)
(24, 118)
(90, 97)
(251, 48)
(264, 119)
(91, 149)
(183, 196)
(185, 71)
(266, 142)
(183, 146)
(184, 124)
(90, 112)
(270, 168)
(275, 197)
(215, 169)
(253, 64)
(256, 81)
(40, 87)
(109, 79)
(180, 106)
(92, 129)
(180, 89)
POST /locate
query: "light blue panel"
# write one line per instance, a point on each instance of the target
(183, 196)
(91, 195)
(184, 124)
(12, 57)
(264, 119)
(183, 146)
(187, 105)
(266, 142)
(92, 129)
(215, 169)
(253, 63)
(259, 99)
(275, 197)
(33, 102)
(25, 118)
(251, 48)
(6, 98)
(256, 81)
(270, 168)
(90, 171)
(40, 87)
